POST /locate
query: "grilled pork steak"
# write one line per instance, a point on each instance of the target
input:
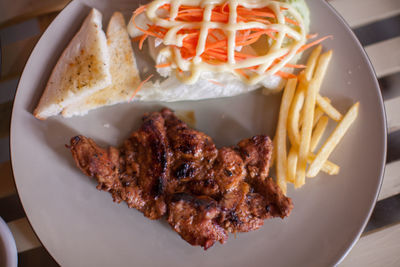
(167, 168)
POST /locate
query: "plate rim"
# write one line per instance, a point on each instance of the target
(384, 128)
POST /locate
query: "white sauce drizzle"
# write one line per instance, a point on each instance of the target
(195, 66)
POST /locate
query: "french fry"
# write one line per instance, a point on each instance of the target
(305, 134)
(281, 157)
(312, 62)
(294, 117)
(328, 167)
(291, 165)
(318, 113)
(273, 155)
(308, 115)
(332, 141)
(328, 109)
(318, 132)
(321, 68)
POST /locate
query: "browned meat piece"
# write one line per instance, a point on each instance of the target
(168, 168)
(194, 219)
(256, 153)
(96, 162)
(243, 211)
(193, 154)
(277, 204)
(229, 169)
(147, 158)
(142, 172)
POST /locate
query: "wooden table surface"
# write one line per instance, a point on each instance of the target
(376, 24)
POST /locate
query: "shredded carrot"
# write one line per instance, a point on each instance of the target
(223, 7)
(165, 65)
(285, 75)
(135, 14)
(306, 46)
(216, 47)
(137, 38)
(241, 72)
(142, 39)
(295, 66)
(291, 21)
(140, 87)
(215, 82)
(312, 35)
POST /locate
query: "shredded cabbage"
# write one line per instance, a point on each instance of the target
(302, 8)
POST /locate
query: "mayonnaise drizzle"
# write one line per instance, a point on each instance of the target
(193, 67)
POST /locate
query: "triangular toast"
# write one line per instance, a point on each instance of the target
(124, 72)
(82, 69)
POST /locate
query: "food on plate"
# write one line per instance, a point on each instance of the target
(167, 168)
(281, 165)
(302, 118)
(209, 49)
(202, 49)
(95, 70)
(333, 140)
(123, 69)
(82, 69)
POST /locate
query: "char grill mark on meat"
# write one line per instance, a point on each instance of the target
(151, 156)
(229, 169)
(193, 156)
(194, 219)
(168, 168)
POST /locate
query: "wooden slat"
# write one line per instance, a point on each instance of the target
(392, 107)
(7, 187)
(46, 19)
(380, 248)
(18, 10)
(15, 56)
(5, 115)
(391, 181)
(385, 56)
(24, 236)
(8, 89)
(17, 53)
(361, 12)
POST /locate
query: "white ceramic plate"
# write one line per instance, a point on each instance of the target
(81, 226)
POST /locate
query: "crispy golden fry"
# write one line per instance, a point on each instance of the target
(328, 109)
(318, 113)
(305, 134)
(308, 115)
(281, 157)
(328, 167)
(273, 155)
(318, 132)
(291, 165)
(294, 117)
(312, 62)
(321, 68)
(333, 140)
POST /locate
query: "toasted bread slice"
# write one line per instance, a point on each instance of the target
(124, 72)
(82, 69)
